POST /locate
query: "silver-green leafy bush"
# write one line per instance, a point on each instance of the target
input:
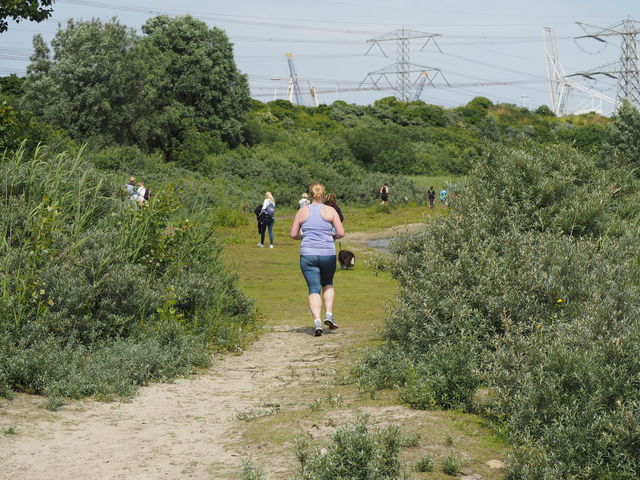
(356, 451)
(531, 287)
(97, 296)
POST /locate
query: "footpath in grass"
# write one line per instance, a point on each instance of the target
(317, 394)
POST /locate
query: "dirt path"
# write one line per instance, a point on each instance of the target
(187, 429)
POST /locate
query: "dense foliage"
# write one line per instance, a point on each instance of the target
(169, 89)
(17, 10)
(529, 287)
(98, 296)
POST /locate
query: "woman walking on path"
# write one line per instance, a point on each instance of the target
(332, 201)
(314, 224)
(266, 216)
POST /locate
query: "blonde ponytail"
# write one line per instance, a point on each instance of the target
(317, 191)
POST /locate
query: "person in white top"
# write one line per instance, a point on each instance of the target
(141, 191)
(267, 216)
(304, 201)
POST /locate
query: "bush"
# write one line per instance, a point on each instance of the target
(98, 296)
(355, 451)
(530, 286)
(425, 464)
(451, 464)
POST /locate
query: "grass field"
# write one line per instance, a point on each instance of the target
(273, 278)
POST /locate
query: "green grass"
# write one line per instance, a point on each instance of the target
(273, 278)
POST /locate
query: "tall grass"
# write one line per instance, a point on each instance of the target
(99, 296)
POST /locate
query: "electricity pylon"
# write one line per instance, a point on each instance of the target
(403, 69)
(562, 90)
(626, 70)
(293, 91)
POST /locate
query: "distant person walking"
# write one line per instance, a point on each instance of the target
(315, 225)
(132, 192)
(268, 213)
(384, 194)
(142, 194)
(332, 201)
(304, 201)
(432, 197)
(443, 197)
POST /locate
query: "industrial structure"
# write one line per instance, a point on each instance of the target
(626, 69)
(293, 90)
(403, 69)
(568, 97)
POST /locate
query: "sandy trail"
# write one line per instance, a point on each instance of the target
(186, 429)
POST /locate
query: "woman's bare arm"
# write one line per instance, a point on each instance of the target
(295, 228)
(337, 224)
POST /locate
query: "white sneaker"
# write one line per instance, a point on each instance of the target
(317, 328)
(270, 246)
(330, 321)
(260, 245)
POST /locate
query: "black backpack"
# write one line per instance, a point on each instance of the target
(146, 194)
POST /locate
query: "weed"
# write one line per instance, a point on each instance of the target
(316, 405)
(336, 401)
(448, 439)
(451, 464)
(10, 430)
(250, 471)
(411, 440)
(424, 464)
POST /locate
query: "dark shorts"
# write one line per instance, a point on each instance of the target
(384, 197)
(318, 271)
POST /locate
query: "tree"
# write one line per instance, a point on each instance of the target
(622, 144)
(90, 85)
(544, 111)
(190, 82)
(34, 10)
(11, 85)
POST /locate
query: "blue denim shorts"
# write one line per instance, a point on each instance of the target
(318, 271)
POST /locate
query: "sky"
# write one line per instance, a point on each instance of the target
(482, 43)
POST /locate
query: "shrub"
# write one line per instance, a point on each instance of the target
(530, 286)
(355, 451)
(451, 464)
(97, 296)
(424, 464)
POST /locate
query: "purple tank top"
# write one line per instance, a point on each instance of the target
(317, 238)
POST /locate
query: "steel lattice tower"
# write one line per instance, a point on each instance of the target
(403, 69)
(629, 81)
(627, 68)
